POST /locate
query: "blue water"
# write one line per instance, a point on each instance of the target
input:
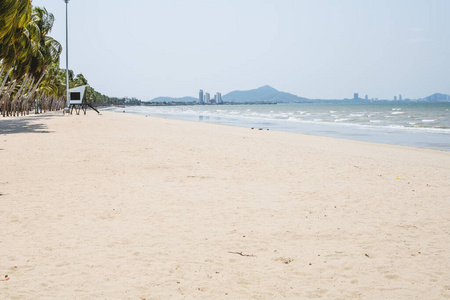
(424, 125)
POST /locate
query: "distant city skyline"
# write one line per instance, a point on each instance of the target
(203, 96)
(269, 94)
(321, 49)
(206, 98)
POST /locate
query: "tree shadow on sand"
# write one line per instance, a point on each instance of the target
(23, 125)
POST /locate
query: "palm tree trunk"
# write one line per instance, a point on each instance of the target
(18, 99)
(19, 94)
(7, 96)
(42, 101)
(3, 83)
(23, 99)
(34, 90)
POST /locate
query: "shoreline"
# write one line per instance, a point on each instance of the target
(173, 209)
(428, 138)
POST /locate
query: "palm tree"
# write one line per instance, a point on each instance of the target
(29, 55)
(48, 49)
(14, 16)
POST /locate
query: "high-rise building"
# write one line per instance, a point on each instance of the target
(395, 98)
(207, 98)
(355, 96)
(219, 98)
(200, 97)
(400, 97)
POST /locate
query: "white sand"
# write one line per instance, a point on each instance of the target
(125, 206)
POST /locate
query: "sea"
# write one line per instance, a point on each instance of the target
(416, 124)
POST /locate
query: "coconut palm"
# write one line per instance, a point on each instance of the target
(34, 52)
(47, 49)
(14, 16)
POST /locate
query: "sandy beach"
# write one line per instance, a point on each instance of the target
(122, 206)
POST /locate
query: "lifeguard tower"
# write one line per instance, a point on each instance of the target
(77, 100)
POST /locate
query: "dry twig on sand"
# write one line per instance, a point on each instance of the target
(241, 254)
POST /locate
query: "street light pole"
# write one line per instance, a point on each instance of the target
(67, 54)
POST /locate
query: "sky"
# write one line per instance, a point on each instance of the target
(318, 49)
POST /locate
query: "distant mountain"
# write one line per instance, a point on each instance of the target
(437, 97)
(170, 99)
(269, 94)
(262, 94)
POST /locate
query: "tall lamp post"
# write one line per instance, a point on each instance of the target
(67, 54)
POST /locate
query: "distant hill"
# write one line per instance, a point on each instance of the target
(170, 99)
(437, 97)
(262, 94)
(269, 94)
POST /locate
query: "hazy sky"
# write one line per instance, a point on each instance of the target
(314, 49)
